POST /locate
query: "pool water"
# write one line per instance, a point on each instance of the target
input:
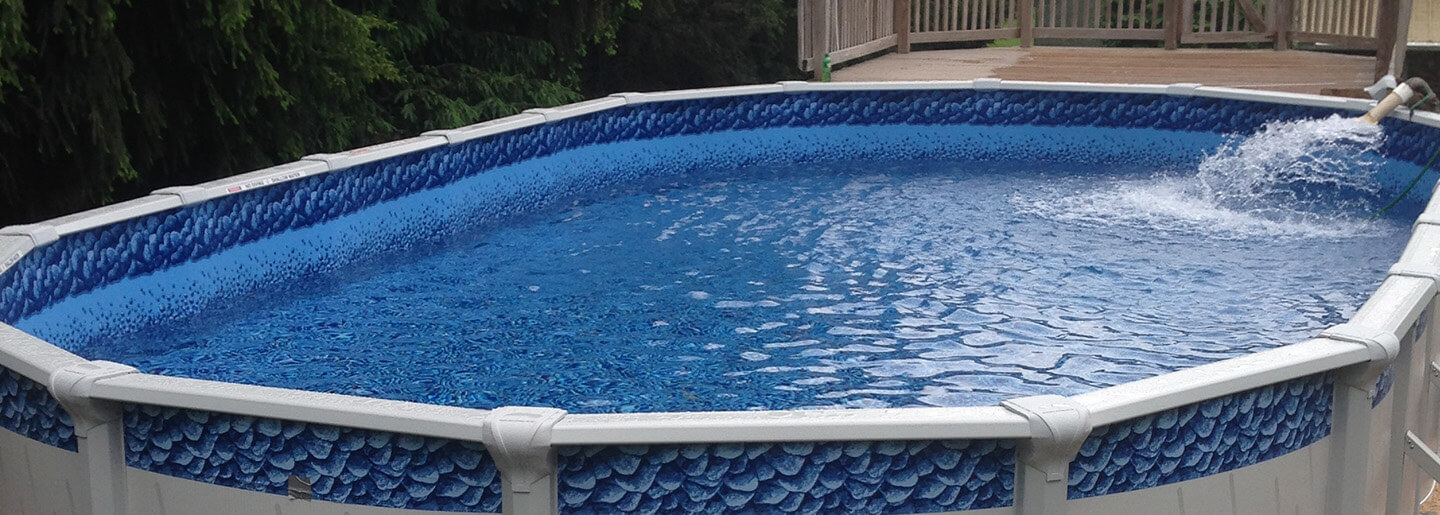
(851, 284)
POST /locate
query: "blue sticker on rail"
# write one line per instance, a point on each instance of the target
(28, 409)
(1203, 439)
(830, 477)
(343, 465)
(85, 261)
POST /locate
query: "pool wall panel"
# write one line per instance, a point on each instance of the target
(921, 476)
(341, 465)
(1290, 484)
(158, 494)
(1205, 439)
(36, 477)
(27, 409)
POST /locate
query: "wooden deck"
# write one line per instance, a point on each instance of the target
(1292, 71)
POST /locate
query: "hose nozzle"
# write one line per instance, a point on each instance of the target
(1399, 96)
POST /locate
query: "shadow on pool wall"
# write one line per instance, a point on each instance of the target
(1269, 430)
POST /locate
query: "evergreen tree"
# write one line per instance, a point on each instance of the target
(102, 99)
(467, 61)
(109, 99)
(682, 44)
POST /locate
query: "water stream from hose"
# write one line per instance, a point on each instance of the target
(1304, 178)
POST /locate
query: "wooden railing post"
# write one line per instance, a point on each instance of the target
(1284, 17)
(819, 34)
(1402, 37)
(1027, 23)
(1386, 29)
(1173, 21)
(902, 26)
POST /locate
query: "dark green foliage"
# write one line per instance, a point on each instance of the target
(237, 84)
(103, 99)
(679, 44)
(108, 99)
(465, 61)
(64, 86)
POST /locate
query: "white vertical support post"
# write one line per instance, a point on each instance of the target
(1347, 490)
(1429, 415)
(1058, 426)
(1400, 391)
(519, 440)
(1407, 414)
(99, 434)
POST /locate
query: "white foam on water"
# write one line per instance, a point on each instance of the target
(1302, 179)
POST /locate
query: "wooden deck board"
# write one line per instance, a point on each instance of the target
(1293, 71)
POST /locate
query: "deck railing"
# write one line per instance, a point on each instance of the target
(845, 29)
(1349, 23)
(851, 29)
(963, 20)
(1099, 19)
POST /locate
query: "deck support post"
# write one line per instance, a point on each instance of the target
(519, 440)
(99, 435)
(1402, 37)
(819, 33)
(1347, 492)
(1387, 30)
(1058, 426)
(902, 26)
(1284, 17)
(1027, 23)
(1172, 21)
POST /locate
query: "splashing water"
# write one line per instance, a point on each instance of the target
(1304, 178)
(1302, 168)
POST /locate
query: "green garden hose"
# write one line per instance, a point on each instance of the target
(1416, 180)
(1409, 187)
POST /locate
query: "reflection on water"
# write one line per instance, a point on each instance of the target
(851, 285)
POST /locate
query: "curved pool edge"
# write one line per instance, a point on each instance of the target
(1359, 352)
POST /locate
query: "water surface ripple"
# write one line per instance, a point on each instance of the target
(856, 284)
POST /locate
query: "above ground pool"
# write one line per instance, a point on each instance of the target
(914, 287)
(925, 276)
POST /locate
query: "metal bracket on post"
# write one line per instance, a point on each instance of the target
(1411, 270)
(40, 234)
(519, 440)
(986, 84)
(1434, 374)
(1059, 426)
(99, 437)
(1383, 346)
(1182, 89)
(1426, 219)
(189, 195)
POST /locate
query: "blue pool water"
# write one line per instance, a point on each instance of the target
(853, 284)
